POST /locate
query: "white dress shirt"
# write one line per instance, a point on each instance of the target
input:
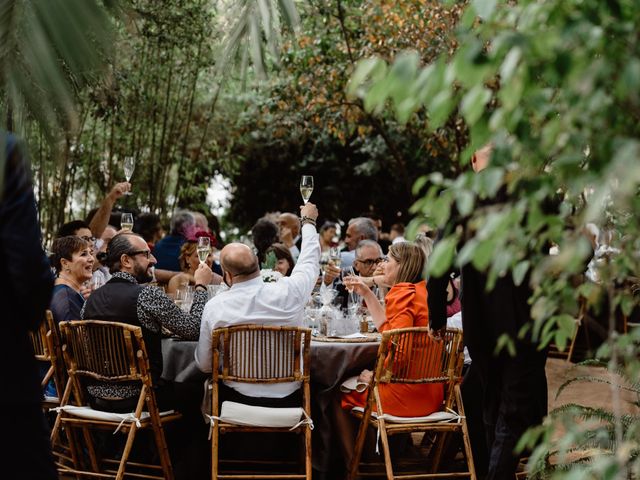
(254, 302)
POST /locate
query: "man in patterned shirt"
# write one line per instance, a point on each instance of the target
(126, 299)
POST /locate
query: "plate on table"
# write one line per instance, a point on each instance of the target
(353, 338)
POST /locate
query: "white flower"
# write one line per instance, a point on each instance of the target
(269, 275)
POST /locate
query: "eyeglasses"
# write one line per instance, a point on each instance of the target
(371, 261)
(89, 239)
(146, 253)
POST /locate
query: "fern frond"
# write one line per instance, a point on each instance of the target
(591, 378)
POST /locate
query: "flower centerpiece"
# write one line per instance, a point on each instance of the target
(267, 269)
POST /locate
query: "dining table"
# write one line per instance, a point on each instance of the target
(332, 361)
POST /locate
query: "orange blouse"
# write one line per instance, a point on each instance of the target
(406, 306)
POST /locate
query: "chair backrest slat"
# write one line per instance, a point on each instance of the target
(261, 354)
(411, 356)
(106, 351)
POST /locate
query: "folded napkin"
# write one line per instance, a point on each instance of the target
(351, 384)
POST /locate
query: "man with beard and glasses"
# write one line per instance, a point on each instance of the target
(125, 299)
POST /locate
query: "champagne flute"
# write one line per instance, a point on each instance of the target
(126, 222)
(306, 187)
(129, 166)
(349, 272)
(334, 256)
(204, 249)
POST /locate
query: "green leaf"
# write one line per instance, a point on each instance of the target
(369, 67)
(519, 271)
(440, 108)
(509, 64)
(402, 73)
(442, 256)
(567, 324)
(505, 341)
(464, 202)
(473, 103)
(511, 92)
(484, 8)
(419, 184)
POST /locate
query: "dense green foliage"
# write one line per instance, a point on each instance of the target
(555, 85)
(302, 122)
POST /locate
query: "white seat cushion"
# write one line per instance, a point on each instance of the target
(91, 414)
(241, 414)
(435, 417)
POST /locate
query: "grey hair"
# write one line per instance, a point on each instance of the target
(118, 246)
(180, 222)
(365, 227)
(424, 242)
(368, 243)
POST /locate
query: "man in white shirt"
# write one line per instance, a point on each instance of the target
(252, 301)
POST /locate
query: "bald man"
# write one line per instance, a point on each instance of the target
(290, 233)
(251, 301)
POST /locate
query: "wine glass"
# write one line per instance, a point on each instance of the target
(335, 256)
(306, 187)
(204, 248)
(126, 222)
(129, 166)
(348, 272)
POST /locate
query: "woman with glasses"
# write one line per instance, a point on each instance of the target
(405, 306)
(73, 261)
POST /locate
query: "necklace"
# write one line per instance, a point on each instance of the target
(69, 282)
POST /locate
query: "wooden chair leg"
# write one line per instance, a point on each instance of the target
(307, 452)
(88, 440)
(357, 453)
(465, 433)
(385, 449)
(127, 451)
(162, 448)
(76, 457)
(215, 446)
(442, 438)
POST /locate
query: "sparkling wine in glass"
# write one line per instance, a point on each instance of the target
(126, 222)
(306, 187)
(129, 166)
(334, 256)
(204, 248)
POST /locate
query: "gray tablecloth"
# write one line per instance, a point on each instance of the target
(331, 363)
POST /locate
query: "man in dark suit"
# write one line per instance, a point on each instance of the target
(513, 389)
(28, 283)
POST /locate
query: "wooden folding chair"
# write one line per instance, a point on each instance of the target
(114, 353)
(261, 354)
(46, 349)
(410, 356)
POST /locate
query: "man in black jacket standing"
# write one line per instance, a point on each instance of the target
(28, 283)
(513, 389)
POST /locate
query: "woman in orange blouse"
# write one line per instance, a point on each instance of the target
(406, 306)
